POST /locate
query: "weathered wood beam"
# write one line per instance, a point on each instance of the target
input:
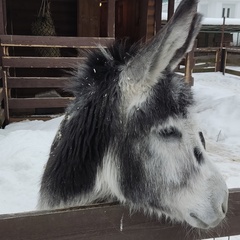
(158, 14)
(30, 103)
(49, 41)
(111, 18)
(170, 8)
(3, 17)
(108, 222)
(41, 62)
(37, 82)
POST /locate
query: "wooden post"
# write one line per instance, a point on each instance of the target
(4, 83)
(219, 53)
(111, 18)
(3, 17)
(189, 65)
(170, 8)
(158, 14)
(223, 60)
(3, 31)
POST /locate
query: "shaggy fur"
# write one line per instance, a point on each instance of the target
(129, 134)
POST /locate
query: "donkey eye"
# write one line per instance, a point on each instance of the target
(170, 132)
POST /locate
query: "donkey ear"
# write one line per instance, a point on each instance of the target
(168, 47)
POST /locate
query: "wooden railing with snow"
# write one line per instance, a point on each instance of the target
(13, 60)
(108, 222)
(225, 60)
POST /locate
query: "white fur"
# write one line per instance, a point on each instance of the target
(206, 190)
(108, 177)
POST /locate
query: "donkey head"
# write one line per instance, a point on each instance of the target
(130, 134)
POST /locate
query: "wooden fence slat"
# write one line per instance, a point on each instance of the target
(1, 95)
(107, 222)
(51, 41)
(2, 117)
(41, 62)
(111, 19)
(30, 103)
(37, 82)
(234, 72)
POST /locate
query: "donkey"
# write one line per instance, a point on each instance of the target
(130, 135)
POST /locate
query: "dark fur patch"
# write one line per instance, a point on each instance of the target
(73, 161)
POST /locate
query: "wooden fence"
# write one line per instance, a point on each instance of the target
(226, 60)
(2, 115)
(108, 222)
(30, 72)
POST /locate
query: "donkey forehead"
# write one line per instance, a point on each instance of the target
(170, 97)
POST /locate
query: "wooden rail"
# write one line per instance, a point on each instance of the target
(108, 222)
(12, 63)
(2, 115)
(209, 61)
(49, 41)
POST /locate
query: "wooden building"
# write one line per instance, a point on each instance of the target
(27, 78)
(86, 18)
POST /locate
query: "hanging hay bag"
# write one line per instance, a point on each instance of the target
(44, 26)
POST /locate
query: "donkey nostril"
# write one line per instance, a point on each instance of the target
(224, 208)
(198, 155)
(225, 205)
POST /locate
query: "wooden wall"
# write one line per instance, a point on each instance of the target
(88, 24)
(131, 19)
(21, 14)
(211, 39)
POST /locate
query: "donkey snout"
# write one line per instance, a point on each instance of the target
(212, 217)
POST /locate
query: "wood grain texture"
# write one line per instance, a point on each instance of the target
(37, 82)
(49, 41)
(28, 103)
(41, 62)
(107, 222)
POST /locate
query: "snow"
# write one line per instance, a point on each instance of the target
(219, 21)
(212, 21)
(218, 113)
(24, 146)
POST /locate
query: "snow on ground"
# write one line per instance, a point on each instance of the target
(24, 146)
(218, 115)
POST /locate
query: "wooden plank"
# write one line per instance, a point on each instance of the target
(37, 82)
(5, 95)
(1, 95)
(29, 103)
(33, 117)
(233, 50)
(88, 15)
(199, 70)
(171, 4)
(111, 18)
(107, 222)
(3, 20)
(2, 117)
(42, 62)
(210, 49)
(50, 41)
(158, 14)
(143, 20)
(234, 72)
